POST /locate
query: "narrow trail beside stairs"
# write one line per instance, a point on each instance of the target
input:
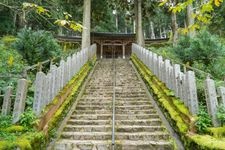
(137, 124)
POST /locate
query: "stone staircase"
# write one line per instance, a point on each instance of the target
(137, 124)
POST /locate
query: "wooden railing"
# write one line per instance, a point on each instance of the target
(46, 85)
(183, 84)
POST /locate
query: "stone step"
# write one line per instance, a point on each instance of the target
(134, 107)
(149, 111)
(141, 122)
(132, 99)
(96, 98)
(154, 136)
(138, 128)
(92, 112)
(88, 122)
(130, 95)
(88, 128)
(91, 104)
(94, 103)
(143, 145)
(133, 117)
(99, 95)
(120, 102)
(67, 144)
(87, 135)
(92, 117)
(89, 107)
(91, 98)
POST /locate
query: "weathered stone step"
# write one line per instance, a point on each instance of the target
(96, 98)
(93, 103)
(91, 98)
(99, 90)
(88, 128)
(98, 87)
(87, 135)
(88, 122)
(143, 145)
(150, 111)
(130, 95)
(99, 94)
(132, 99)
(134, 107)
(66, 144)
(92, 112)
(134, 92)
(92, 117)
(154, 136)
(89, 107)
(143, 122)
(120, 102)
(137, 128)
(133, 117)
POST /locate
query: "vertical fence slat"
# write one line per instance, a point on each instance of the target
(19, 104)
(211, 100)
(38, 93)
(221, 92)
(191, 92)
(6, 107)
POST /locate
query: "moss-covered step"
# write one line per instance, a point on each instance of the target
(178, 114)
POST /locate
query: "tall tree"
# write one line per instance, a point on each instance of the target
(139, 29)
(86, 34)
(190, 19)
(174, 24)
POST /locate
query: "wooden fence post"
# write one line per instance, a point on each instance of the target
(19, 104)
(211, 100)
(191, 92)
(38, 93)
(6, 107)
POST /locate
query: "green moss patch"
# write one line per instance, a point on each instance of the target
(205, 142)
(30, 139)
(217, 132)
(178, 114)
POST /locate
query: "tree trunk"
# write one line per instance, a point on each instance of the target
(139, 30)
(86, 34)
(190, 20)
(174, 24)
(152, 30)
(174, 28)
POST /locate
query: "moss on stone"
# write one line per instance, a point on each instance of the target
(14, 128)
(206, 142)
(35, 140)
(178, 114)
(77, 81)
(218, 132)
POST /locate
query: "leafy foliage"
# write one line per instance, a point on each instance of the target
(221, 114)
(28, 119)
(6, 121)
(36, 46)
(205, 50)
(204, 121)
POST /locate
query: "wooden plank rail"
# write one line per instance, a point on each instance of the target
(183, 84)
(46, 85)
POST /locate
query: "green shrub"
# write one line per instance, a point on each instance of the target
(221, 114)
(204, 121)
(204, 47)
(205, 51)
(6, 121)
(28, 119)
(36, 46)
